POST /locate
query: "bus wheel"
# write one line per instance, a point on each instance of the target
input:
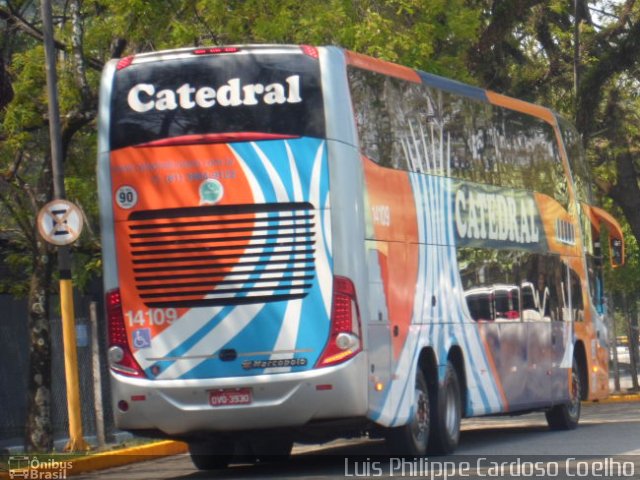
(211, 454)
(567, 415)
(446, 415)
(412, 438)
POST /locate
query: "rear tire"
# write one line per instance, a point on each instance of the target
(446, 415)
(211, 454)
(567, 415)
(412, 438)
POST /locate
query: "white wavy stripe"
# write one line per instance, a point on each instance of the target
(295, 176)
(478, 361)
(213, 341)
(456, 309)
(276, 181)
(176, 334)
(322, 262)
(421, 287)
(288, 334)
(254, 244)
(258, 196)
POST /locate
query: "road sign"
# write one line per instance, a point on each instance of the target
(60, 222)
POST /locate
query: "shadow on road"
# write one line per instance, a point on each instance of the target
(356, 458)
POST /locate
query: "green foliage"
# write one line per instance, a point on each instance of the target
(28, 107)
(523, 48)
(19, 267)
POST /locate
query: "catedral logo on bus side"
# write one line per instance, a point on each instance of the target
(143, 96)
(487, 215)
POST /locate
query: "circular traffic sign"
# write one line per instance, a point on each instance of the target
(60, 222)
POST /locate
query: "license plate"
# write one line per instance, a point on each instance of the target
(230, 396)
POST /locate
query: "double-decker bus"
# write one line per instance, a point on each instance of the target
(302, 243)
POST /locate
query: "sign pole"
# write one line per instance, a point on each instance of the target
(76, 440)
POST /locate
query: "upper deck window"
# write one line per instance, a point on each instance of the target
(416, 127)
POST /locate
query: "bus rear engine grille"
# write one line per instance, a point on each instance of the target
(223, 255)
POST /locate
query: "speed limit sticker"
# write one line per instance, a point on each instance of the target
(126, 197)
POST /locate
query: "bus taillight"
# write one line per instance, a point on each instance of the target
(345, 335)
(124, 62)
(310, 51)
(215, 50)
(120, 357)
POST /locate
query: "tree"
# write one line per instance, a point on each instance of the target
(25, 183)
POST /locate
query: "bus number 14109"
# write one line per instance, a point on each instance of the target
(151, 317)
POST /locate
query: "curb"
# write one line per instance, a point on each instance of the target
(105, 460)
(126, 456)
(620, 398)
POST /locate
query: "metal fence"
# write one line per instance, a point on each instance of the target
(14, 368)
(624, 342)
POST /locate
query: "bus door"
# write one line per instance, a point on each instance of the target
(378, 334)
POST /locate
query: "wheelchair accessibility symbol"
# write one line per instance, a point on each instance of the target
(142, 338)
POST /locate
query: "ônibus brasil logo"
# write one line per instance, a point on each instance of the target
(211, 192)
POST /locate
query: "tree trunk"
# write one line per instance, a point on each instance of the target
(39, 434)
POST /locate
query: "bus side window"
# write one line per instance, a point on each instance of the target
(480, 304)
(594, 274)
(506, 303)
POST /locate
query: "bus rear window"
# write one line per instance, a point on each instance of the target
(249, 92)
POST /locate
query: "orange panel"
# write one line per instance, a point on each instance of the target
(522, 106)
(550, 212)
(392, 214)
(381, 66)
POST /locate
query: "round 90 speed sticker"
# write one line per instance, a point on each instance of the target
(126, 197)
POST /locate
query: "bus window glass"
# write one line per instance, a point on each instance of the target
(386, 111)
(577, 161)
(414, 127)
(508, 285)
(577, 304)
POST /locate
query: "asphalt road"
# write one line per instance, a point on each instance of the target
(605, 445)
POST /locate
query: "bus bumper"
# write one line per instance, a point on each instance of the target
(179, 407)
